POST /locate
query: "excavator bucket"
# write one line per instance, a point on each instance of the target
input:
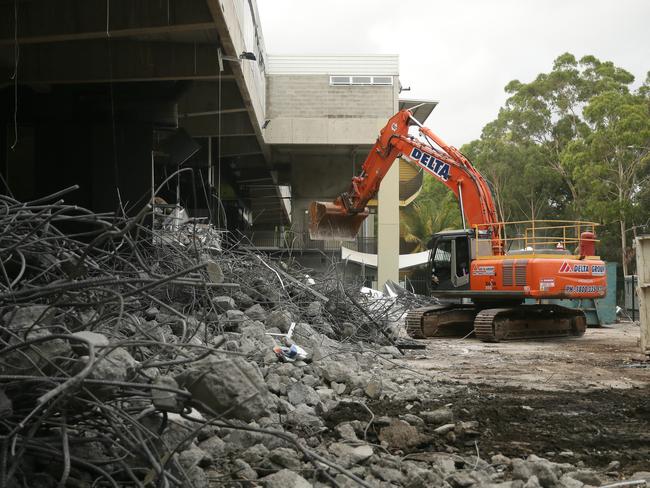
(328, 221)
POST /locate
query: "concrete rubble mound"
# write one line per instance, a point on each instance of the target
(129, 362)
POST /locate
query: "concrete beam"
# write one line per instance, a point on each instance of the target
(212, 112)
(115, 60)
(43, 21)
(234, 146)
(231, 123)
(157, 31)
(207, 96)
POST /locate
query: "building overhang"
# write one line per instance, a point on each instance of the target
(134, 45)
(423, 107)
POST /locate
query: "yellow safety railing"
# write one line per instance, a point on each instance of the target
(534, 236)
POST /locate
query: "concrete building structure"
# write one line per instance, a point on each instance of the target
(104, 94)
(324, 114)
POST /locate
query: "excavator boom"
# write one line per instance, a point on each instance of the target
(342, 218)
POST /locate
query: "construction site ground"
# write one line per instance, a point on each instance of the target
(571, 400)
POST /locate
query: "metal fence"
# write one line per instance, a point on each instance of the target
(416, 285)
(631, 297)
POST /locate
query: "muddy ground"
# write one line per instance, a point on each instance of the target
(570, 400)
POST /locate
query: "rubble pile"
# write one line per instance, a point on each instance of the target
(124, 363)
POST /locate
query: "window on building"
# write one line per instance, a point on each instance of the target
(360, 80)
(339, 80)
(382, 80)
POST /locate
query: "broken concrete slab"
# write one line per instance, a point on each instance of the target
(230, 386)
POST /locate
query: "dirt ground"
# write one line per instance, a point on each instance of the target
(575, 400)
(605, 357)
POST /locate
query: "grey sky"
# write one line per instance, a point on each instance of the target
(463, 52)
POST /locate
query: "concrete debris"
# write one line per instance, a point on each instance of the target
(279, 319)
(300, 393)
(284, 479)
(283, 457)
(215, 274)
(349, 455)
(400, 435)
(155, 365)
(163, 396)
(230, 386)
(117, 365)
(90, 339)
(24, 318)
(346, 432)
(256, 312)
(438, 416)
(373, 389)
(243, 471)
(215, 447)
(224, 303)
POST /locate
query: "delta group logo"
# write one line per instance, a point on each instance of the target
(574, 268)
(435, 166)
(598, 269)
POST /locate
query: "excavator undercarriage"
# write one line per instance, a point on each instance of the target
(495, 324)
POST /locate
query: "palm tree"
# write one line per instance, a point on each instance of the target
(427, 215)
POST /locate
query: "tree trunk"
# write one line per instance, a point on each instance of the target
(621, 200)
(623, 246)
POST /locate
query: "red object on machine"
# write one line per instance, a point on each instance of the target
(587, 244)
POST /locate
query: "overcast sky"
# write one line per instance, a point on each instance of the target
(463, 52)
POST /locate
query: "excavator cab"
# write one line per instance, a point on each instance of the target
(449, 261)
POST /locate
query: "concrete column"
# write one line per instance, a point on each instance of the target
(643, 290)
(369, 226)
(388, 228)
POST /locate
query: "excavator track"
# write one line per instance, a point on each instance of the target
(413, 322)
(495, 324)
(529, 322)
(442, 320)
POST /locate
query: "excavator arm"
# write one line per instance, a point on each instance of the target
(342, 218)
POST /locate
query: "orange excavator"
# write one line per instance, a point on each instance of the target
(484, 273)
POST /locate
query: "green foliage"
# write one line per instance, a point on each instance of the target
(435, 209)
(573, 144)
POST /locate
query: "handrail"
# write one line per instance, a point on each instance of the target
(539, 235)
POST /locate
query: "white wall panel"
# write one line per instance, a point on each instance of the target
(380, 64)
